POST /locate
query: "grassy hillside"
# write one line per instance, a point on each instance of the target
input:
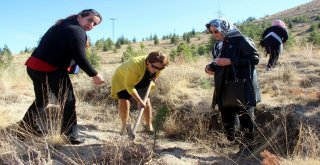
(188, 131)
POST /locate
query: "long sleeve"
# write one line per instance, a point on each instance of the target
(77, 39)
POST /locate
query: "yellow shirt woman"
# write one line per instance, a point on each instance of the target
(129, 74)
(137, 72)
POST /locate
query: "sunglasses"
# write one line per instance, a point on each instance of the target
(213, 32)
(155, 67)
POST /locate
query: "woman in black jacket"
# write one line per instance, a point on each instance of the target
(62, 46)
(273, 39)
(232, 49)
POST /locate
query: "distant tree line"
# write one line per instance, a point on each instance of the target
(250, 27)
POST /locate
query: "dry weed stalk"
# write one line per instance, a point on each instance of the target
(126, 153)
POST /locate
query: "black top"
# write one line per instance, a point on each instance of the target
(281, 32)
(62, 44)
(147, 77)
(243, 55)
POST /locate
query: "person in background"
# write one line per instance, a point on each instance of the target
(131, 79)
(233, 48)
(273, 39)
(63, 45)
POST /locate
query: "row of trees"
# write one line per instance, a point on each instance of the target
(250, 28)
(107, 44)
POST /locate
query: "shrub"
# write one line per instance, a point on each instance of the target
(183, 52)
(123, 40)
(108, 44)
(155, 39)
(93, 57)
(291, 42)
(202, 50)
(99, 44)
(174, 39)
(130, 53)
(313, 27)
(5, 56)
(314, 37)
(301, 19)
(160, 117)
(118, 45)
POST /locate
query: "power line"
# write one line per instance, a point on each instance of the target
(113, 19)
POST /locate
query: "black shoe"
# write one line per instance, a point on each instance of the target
(243, 153)
(76, 141)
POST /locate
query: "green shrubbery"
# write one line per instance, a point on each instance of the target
(314, 37)
(93, 57)
(104, 45)
(130, 52)
(5, 56)
(155, 39)
(185, 52)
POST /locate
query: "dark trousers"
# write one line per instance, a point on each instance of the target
(274, 52)
(59, 84)
(238, 123)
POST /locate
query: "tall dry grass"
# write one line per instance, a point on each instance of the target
(95, 110)
(287, 118)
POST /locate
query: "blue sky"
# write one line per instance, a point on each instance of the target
(24, 22)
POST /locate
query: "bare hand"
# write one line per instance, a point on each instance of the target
(208, 70)
(97, 79)
(223, 61)
(141, 104)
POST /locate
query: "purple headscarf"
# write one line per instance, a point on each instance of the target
(280, 23)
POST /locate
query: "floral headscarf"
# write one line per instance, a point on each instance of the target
(227, 29)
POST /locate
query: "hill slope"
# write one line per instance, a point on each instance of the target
(187, 91)
(310, 9)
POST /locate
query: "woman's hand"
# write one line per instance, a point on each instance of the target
(223, 61)
(141, 104)
(208, 70)
(97, 79)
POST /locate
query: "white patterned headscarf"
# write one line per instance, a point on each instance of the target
(227, 29)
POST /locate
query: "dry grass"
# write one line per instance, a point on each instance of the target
(287, 118)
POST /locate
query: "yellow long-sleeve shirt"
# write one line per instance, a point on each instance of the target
(128, 74)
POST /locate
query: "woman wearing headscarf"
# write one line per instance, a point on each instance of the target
(273, 39)
(233, 49)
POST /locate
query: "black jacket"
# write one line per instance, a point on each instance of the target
(62, 44)
(243, 55)
(271, 41)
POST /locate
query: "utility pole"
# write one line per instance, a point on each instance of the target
(113, 19)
